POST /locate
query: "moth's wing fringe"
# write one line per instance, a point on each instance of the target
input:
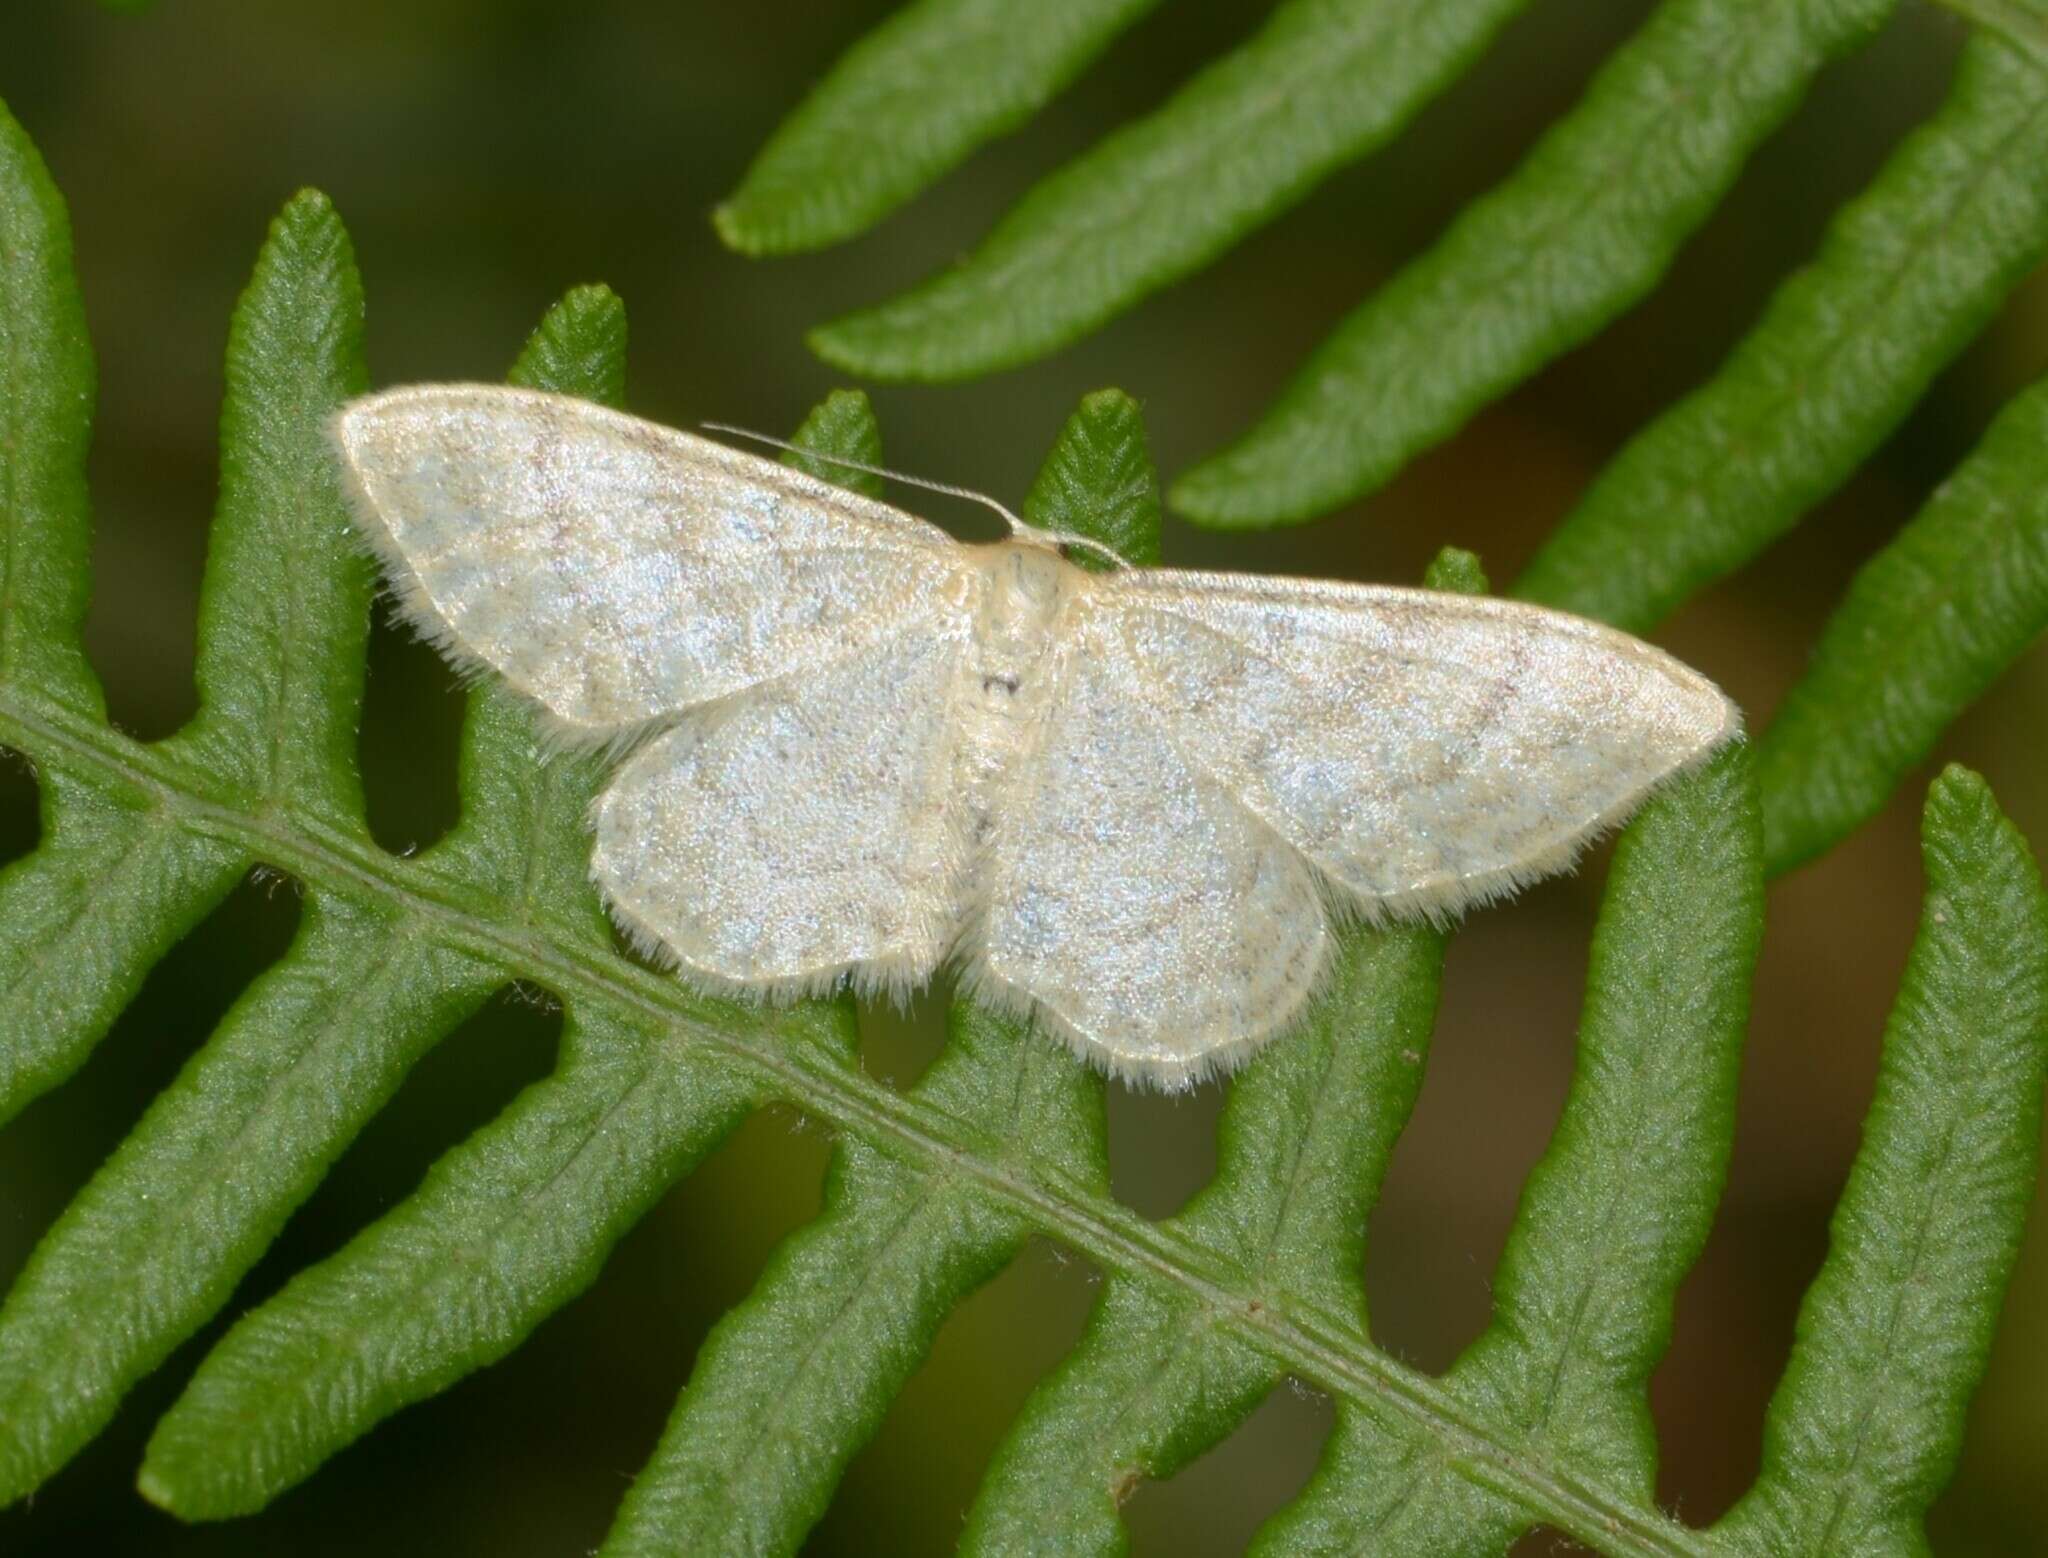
(1175, 1074)
(895, 981)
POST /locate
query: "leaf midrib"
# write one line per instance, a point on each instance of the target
(1318, 1345)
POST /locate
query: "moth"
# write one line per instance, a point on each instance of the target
(1137, 805)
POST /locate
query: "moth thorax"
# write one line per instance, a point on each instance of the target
(1028, 586)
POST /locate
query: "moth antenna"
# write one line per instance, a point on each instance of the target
(1085, 543)
(1017, 526)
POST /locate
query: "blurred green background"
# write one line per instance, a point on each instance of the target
(489, 153)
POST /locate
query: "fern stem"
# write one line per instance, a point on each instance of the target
(1313, 1342)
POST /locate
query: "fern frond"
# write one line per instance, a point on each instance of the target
(284, 606)
(1323, 82)
(516, 1221)
(907, 103)
(841, 425)
(1162, 1375)
(154, 1244)
(797, 1378)
(1907, 274)
(115, 882)
(1098, 481)
(1893, 1334)
(46, 417)
(1543, 1420)
(1927, 624)
(1582, 229)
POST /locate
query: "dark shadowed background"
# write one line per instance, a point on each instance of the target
(487, 154)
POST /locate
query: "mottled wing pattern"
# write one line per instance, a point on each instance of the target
(1160, 924)
(777, 840)
(615, 570)
(1425, 750)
